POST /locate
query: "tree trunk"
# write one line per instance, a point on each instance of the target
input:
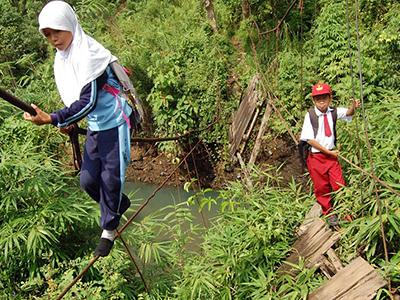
(246, 9)
(211, 15)
(23, 7)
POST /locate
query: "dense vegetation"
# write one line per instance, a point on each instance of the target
(188, 76)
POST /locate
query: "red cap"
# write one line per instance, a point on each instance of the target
(321, 89)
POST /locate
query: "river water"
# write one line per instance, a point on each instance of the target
(167, 196)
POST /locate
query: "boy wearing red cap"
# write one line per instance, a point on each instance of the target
(322, 161)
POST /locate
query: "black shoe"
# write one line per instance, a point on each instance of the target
(104, 247)
(333, 220)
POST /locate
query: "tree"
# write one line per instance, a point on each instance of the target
(211, 15)
(245, 9)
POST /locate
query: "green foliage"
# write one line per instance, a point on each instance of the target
(182, 67)
(39, 203)
(89, 10)
(185, 82)
(111, 278)
(165, 240)
(381, 54)
(361, 201)
(19, 40)
(245, 244)
(189, 75)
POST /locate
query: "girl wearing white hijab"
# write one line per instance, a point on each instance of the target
(88, 88)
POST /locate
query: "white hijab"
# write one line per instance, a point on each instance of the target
(83, 61)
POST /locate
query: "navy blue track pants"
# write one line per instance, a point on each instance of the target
(106, 156)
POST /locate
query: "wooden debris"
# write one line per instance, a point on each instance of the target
(244, 115)
(310, 217)
(329, 263)
(263, 127)
(311, 246)
(246, 172)
(358, 280)
(337, 264)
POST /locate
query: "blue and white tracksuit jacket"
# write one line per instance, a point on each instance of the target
(107, 147)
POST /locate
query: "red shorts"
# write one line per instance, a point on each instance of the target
(327, 176)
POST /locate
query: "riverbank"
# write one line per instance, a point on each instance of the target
(149, 166)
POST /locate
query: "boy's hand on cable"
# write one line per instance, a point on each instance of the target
(356, 103)
(41, 117)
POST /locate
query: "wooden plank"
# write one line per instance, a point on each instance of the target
(321, 250)
(326, 267)
(314, 243)
(306, 242)
(366, 288)
(312, 214)
(253, 122)
(248, 133)
(313, 229)
(243, 115)
(263, 128)
(242, 119)
(302, 248)
(334, 259)
(358, 280)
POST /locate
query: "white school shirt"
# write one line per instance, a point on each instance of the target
(307, 133)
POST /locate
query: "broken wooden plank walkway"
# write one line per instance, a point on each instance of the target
(311, 246)
(358, 280)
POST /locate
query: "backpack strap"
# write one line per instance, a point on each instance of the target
(314, 121)
(129, 88)
(334, 119)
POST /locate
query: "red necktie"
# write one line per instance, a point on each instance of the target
(328, 131)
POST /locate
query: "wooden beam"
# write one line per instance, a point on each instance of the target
(263, 127)
(334, 259)
(311, 246)
(246, 172)
(310, 217)
(357, 281)
(243, 116)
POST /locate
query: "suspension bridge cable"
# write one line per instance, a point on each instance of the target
(353, 94)
(378, 199)
(172, 138)
(134, 263)
(301, 6)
